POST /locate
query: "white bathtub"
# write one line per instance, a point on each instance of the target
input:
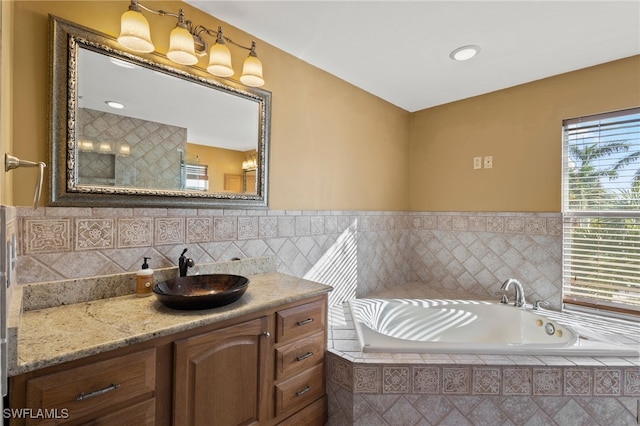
(472, 327)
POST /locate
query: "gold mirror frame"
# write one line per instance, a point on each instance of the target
(65, 40)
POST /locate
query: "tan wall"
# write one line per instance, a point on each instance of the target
(336, 147)
(333, 146)
(6, 78)
(220, 162)
(521, 127)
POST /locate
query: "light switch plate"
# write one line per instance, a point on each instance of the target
(488, 162)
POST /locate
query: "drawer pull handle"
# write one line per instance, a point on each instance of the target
(305, 356)
(93, 394)
(303, 391)
(307, 321)
(266, 335)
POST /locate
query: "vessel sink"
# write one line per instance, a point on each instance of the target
(201, 291)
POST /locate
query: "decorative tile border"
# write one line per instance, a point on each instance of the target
(516, 381)
(425, 380)
(486, 381)
(47, 235)
(136, 232)
(460, 380)
(93, 234)
(395, 379)
(169, 230)
(199, 229)
(607, 382)
(547, 381)
(59, 227)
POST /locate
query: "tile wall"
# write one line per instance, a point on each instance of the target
(356, 252)
(156, 151)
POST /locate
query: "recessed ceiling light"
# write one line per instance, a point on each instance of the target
(464, 53)
(114, 104)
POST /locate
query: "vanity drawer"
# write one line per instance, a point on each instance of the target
(81, 391)
(300, 355)
(300, 390)
(300, 321)
(312, 415)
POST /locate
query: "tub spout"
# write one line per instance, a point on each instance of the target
(520, 302)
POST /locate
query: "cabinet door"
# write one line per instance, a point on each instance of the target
(222, 377)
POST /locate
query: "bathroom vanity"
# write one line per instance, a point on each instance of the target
(130, 360)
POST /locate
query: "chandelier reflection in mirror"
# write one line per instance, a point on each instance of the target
(186, 44)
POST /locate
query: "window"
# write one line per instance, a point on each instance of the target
(196, 177)
(601, 211)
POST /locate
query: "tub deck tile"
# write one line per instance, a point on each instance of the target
(554, 360)
(525, 360)
(496, 359)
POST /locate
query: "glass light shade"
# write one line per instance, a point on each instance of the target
(134, 32)
(85, 145)
(220, 61)
(124, 149)
(181, 47)
(105, 147)
(252, 72)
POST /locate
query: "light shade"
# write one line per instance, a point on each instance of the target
(105, 147)
(85, 145)
(181, 47)
(252, 71)
(134, 32)
(220, 60)
(124, 149)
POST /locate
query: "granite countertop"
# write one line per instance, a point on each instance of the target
(54, 335)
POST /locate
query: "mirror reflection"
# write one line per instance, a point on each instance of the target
(134, 130)
(143, 132)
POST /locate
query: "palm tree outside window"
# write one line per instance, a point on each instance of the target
(601, 211)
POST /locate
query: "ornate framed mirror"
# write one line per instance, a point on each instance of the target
(140, 131)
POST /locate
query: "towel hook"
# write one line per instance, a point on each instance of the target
(11, 162)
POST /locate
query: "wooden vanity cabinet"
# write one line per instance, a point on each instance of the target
(264, 371)
(222, 377)
(265, 368)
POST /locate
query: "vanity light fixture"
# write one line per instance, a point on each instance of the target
(123, 149)
(186, 43)
(464, 53)
(250, 164)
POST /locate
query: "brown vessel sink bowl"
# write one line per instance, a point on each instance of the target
(201, 291)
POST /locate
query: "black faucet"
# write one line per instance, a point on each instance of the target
(184, 263)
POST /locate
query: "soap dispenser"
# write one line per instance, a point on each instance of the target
(144, 279)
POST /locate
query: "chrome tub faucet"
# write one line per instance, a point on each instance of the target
(520, 301)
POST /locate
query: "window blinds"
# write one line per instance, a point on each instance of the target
(601, 210)
(196, 176)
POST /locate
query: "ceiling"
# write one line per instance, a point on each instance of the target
(218, 118)
(399, 50)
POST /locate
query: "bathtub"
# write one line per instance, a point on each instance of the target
(472, 327)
